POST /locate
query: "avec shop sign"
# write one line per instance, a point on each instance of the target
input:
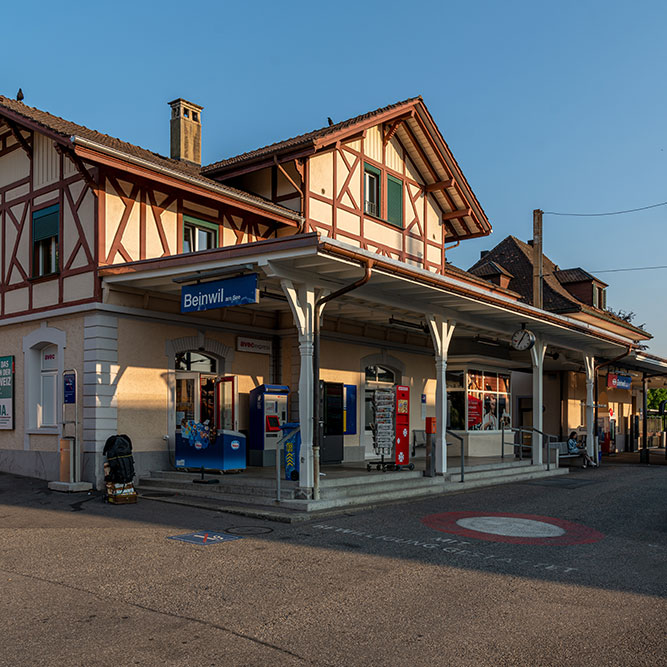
(220, 294)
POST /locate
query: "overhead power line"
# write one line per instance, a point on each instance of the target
(596, 215)
(638, 268)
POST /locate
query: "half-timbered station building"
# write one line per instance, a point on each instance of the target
(148, 295)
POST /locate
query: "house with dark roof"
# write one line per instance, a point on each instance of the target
(197, 308)
(581, 296)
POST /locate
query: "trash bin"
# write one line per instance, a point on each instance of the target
(291, 449)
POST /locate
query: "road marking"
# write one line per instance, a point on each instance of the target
(436, 544)
(512, 528)
(204, 538)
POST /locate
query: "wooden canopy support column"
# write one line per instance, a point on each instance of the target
(19, 137)
(441, 335)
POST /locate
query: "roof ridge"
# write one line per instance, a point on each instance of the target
(302, 138)
(38, 111)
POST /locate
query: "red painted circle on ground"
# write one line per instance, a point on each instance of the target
(570, 533)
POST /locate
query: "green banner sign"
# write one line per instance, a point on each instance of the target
(6, 393)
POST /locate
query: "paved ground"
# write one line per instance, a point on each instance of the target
(85, 583)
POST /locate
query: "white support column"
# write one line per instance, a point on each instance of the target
(537, 357)
(589, 364)
(302, 304)
(441, 334)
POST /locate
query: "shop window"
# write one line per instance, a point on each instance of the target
(45, 225)
(484, 404)
(194, 361)
(199, 235)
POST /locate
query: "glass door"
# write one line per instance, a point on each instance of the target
(227, 403)
(187, 398)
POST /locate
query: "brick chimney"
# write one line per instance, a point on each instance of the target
(185, 129)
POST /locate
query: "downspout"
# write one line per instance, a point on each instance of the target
(317, 426)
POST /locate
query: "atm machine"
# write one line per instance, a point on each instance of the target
(268, 412)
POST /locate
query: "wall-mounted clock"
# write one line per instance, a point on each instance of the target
(522, 340)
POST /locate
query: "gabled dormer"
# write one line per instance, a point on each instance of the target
(384, 181)
(583, 286)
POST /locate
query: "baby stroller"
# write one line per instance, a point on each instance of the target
(119, 470)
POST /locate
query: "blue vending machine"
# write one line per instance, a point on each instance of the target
(268, 412)
(198, 446)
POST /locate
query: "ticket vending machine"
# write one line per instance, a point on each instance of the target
(268, 412)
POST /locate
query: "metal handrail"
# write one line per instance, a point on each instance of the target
(527, 429)
(459, 438)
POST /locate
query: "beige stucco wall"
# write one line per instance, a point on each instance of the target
(11, 343)
(143, 381)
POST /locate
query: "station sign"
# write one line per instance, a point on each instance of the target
(6, 393)
(616, 381)
(220, 294)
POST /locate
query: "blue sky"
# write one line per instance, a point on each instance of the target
(560, 106)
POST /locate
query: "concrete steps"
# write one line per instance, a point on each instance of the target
(256, 496)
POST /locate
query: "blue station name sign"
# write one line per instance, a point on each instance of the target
(220, 294)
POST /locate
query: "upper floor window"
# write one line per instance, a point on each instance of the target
(599, 297)
(372, 190)
(199, 235)
(373, 204)
(45, 224)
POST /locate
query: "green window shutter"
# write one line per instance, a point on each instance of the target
(211, 226)
(371, 169)
(395, 201)
(45, 223)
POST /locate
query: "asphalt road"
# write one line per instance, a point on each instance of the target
(86, 583)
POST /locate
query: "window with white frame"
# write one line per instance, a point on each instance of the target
(47, 412)
(199, 234)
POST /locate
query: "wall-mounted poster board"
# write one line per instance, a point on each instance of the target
(6, 393)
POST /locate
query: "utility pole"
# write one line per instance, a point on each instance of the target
(537, 258)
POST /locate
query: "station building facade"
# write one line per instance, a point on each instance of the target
(99, 236)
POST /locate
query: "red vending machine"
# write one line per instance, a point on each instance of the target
(402, 431)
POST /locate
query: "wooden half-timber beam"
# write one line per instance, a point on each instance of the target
(452, 215)
(440, 185)
(78, 163)
(19, 137)
(391, 131)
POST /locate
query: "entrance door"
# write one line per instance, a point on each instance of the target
(187, 398)
(226, 417)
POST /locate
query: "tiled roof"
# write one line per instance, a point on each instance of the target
(67, 129)
(302, 139)
(489, 269)
(578, 275)
(517, 257)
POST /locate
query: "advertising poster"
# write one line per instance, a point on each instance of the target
(6, 393)
(474, 412)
